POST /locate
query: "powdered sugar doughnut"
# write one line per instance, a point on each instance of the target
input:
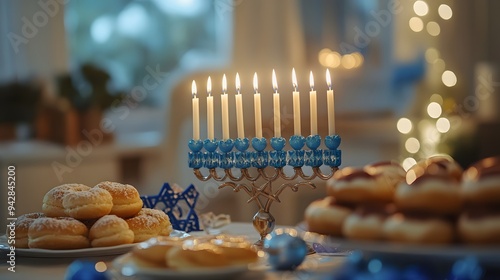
(58, 233)
(22, 225)
(126, 199)
(53, 200)
(367, 221)
(110, 230)
(390, 171)
(87, 204)
(149, 223)
(481, 182)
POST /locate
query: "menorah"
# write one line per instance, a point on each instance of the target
(269, 165)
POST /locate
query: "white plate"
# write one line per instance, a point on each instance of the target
(76, 253)
(487, 254)
(127, 267)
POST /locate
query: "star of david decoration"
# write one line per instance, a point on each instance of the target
(178, 205)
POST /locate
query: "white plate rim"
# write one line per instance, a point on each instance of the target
(75, 253)
(122, 262)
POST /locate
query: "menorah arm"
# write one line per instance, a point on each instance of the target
(200, 175)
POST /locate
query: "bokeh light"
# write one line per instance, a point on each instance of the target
(436, 98)
(433, 28)
(348, 61)
(443, 125)
(449, 78)
(404, 125)
(431, 55)
(412, 145)
(421, 8)
(416, 24)
(408, 163)
(434, 110)
(445, 11)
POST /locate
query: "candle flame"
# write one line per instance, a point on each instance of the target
(209, 86)
(194, 89)
(238, 86)
(311, 80)
(275, 83)
(224, 84)
(328, 79)
(255, 83)
(294, 80)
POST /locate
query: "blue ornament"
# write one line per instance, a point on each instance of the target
(286, 252)
(84, 270)
(259, 144)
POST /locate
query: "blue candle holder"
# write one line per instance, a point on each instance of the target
(314, 157)
(259, 157)
(296, 156)
(210, 157)
(242, 157)
(333, 156)
(226, 155)
(195, 157)
(278, 156)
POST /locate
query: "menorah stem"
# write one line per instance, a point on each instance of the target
(264, 223)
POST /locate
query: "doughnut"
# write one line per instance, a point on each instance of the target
(326, 216)
(126, 199)
(149, 223)
(480, 225)
(351, 185)
(433, 194)
(87, 204)
(204, 255)
(58, 234)
(391, 171)
(481, 182)
(438, 165)
(425, 229)
(22, 226)
(154, 250)
(367, 221)
(236, 249)
(110, 230)
(53, 200)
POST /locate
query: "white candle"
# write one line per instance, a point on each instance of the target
(296, 106)
(225, 110)
(239, 109)
(257, 109)
(330, 104)
(276, 105)
(210, 110)
(313, 106)
(196, 112)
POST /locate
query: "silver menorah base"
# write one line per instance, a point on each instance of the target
(260, 189)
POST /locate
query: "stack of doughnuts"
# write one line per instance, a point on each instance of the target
(191, 253)
(77, 216)
(435, 202)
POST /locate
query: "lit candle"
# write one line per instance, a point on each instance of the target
(296, 105)
(313, 106)
(276, 104)
(196, 113)
(257, 111)
(225, 110)
(210, 110)
(239, 109)
(330, 104)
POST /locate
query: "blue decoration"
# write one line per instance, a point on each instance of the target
(226, 146)
(332, 142)
(242, 144)
(171, 202)
(332, 157)
(259, 144)
(242, 159)
(313, 141)
(226, 160)
(286, 252)
(313, 157)
(85, 270)
(260, 159)
(210, 160)
(296, 156)
(195, 159)
(195, 145)
(210, 145)
(297, 141)
(277, 157)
